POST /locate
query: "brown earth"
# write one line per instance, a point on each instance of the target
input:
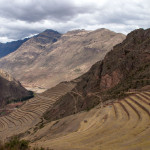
(121, 125)
(50, 58)
(28, 117)
(126, 67)
(117, 123)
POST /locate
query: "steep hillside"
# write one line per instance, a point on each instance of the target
(120, 125)
(50, 58)
(125, 68)
(10, 89)
(118, 122)
(28, 117)
(9, 47)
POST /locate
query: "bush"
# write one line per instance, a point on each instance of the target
(16, 144)
(31, 95)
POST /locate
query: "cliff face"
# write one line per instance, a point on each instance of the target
(126, 67)
(50, 58)
(128, 60)
(10, 89)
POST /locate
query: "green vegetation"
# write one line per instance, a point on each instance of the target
(16, 144)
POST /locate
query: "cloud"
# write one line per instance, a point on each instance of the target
(37, 10)
(22, 18)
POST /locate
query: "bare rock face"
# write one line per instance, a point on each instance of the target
(123, 69)
(10, 89)
(110, 80)
(50, 58)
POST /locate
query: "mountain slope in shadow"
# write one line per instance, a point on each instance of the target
(11, 90)
(9, 47)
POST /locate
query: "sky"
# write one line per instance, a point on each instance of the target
(25, 18)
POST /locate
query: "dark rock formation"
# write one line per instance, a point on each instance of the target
(11, 90)
(126, 67)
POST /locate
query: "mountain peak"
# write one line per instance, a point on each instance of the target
(138, 40)
(47, 36)
(139, 33)
(50, 31)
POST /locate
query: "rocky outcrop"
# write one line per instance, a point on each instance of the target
(126, 67)
(10, 89)
(110, 80)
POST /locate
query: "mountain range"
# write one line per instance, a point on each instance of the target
(124, 68)
(50, 57)
(106, 107)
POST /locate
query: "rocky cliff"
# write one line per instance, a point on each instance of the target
(10, 89)
(124, 68)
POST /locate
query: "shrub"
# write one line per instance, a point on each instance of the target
(16, 144)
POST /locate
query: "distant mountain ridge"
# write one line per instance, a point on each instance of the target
(9, 47)
(48, 36)
(50, 57)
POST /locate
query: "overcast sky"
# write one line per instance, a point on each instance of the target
(23, 18)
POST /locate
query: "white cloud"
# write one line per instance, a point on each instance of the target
(5, 39)
(21, 18)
